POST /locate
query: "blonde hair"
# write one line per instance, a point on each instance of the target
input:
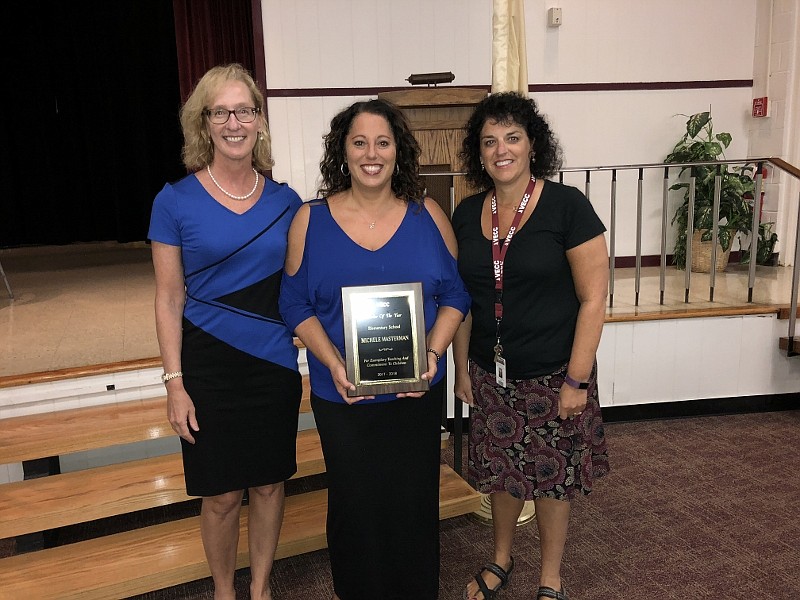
(198, 149)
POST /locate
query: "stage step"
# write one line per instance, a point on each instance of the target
(159, 556)
(45, 503)
(88, 428)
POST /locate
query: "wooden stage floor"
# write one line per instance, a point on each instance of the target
(88, 304)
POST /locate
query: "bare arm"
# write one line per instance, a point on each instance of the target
(310, 331)
(462, 387)
(169, 303)
(589, 264)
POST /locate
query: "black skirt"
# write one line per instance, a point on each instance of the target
(247, 410)
(382, 464)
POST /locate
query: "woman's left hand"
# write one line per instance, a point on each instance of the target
(571, 401)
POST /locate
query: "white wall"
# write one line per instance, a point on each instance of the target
(672, 360)
(645, 362)
(629, 40)
(775, 68)
(313, 44)
(366, 43)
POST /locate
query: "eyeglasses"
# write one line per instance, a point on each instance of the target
(244, 114)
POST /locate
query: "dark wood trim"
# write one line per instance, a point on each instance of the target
(365, 91)
(785, 310)
(535, 87)
(783, 344)
(628, 262)
(640, 85)
(788, 167)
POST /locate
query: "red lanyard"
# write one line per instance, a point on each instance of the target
(499, 253)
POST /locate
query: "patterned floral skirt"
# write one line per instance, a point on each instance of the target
(518, 443)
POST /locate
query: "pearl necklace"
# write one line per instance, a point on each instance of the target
(227, 193)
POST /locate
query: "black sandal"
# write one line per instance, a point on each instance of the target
(503, 575)
(549, 592)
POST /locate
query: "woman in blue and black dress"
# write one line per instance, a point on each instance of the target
(375, 227)
(230, 363)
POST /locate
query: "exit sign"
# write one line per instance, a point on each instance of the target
(760, 106)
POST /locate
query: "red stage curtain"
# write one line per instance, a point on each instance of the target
(210, 33)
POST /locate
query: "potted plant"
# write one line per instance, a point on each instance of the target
(765, 247)
(700, 144)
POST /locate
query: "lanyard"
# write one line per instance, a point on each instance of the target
(499, 254)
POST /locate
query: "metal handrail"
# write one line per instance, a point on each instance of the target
(778, 163)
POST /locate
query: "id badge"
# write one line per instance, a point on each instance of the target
(500, 371)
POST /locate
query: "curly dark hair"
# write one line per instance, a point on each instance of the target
(406, 183)
(507, 108)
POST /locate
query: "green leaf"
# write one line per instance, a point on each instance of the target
(735, 185)
(713, 149)
(698, 150)
(696, 123)
(724, 138)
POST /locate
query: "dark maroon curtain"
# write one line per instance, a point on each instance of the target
(210, 33)
(92, 133)
(94, 89)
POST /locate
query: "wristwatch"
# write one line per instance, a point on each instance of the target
(578, 385)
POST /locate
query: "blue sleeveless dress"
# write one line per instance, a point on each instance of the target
(382, 456)
(331, 260)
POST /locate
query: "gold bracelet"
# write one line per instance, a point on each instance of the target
(167, 376)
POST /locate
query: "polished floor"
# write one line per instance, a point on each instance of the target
(87, 304)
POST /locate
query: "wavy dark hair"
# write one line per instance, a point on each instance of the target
(406, 183)
(507, 108)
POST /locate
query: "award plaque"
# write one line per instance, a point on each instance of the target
(384, 336)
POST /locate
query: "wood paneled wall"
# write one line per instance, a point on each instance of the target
(437, 117)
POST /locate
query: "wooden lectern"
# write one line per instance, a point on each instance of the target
(437, 117)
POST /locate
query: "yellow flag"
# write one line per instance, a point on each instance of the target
(509, 56)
